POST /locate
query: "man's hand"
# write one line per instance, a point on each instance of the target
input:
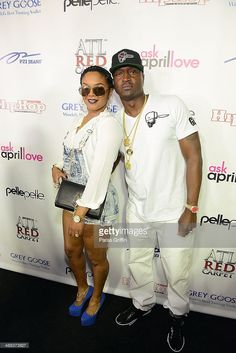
(187, 222)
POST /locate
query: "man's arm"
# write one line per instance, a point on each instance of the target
(191, 150)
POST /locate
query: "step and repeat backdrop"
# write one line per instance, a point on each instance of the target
(188, 49)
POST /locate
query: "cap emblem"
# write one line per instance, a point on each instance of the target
(123, 55)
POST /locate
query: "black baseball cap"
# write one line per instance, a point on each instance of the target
(126, 57)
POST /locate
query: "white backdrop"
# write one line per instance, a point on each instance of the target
(188, 49)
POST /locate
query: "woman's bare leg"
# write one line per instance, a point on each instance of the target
(100, 267)
(74, 251)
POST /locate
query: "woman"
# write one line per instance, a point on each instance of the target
(90, 150)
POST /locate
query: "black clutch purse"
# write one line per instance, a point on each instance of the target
(67, 195)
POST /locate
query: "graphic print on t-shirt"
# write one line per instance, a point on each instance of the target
(191, 118)
(152, 116)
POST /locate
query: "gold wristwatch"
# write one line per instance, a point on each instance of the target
(77, 218)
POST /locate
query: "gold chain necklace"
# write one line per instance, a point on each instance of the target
(128, 141)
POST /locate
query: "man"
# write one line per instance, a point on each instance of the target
(163, 173)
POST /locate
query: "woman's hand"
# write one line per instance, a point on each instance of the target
(57, 174)
(75, 229)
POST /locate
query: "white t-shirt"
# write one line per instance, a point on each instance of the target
(156, 181)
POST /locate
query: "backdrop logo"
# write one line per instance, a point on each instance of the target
(26, 229)
(21, 57)
(113, 108)
(233, 4)
(155, 58)
(86, 3)
(221, 116)
(70, 109)
(219, 220)
(23, 106)
(20, 7)
(212, 298)
(35, 195)
(174, 2)
(219, 173)
(90, 52)
(8, 152)
(30, 260)
(220, 263)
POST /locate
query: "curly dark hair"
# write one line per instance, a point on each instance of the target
(101, 70)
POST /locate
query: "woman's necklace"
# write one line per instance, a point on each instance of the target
(129, 138)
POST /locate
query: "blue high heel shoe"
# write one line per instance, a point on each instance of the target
(89, 320)
(76, 310)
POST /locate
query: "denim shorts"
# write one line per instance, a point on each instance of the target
(74, 166)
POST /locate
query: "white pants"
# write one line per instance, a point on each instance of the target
(176, 255)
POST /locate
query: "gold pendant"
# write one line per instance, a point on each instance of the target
(129, 151)
(128, 165)
(126, 141)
